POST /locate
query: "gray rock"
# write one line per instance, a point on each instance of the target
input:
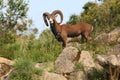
(79, 75)
(87, 60)
(113, 60)
(115, 50)
(111, 65)
(114, 35)
(109, 38)
(52, 76)
(103, 38)
(65, 61)
(112, 57)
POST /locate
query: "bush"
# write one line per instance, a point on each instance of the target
(47, 48)
(24, 69)
(97, 75)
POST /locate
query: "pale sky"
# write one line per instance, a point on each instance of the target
(68, 7)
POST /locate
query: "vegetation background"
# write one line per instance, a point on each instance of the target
(17, 36)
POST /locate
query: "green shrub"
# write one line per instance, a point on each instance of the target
(96, 75)
(38, 71)
(8, 50)
(24, 69)
(47, 48)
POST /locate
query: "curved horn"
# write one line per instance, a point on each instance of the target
(46, 15)
(58, 12)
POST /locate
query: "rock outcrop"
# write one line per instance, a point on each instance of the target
(65, 62)
(109, 38)
(87, 60)
(5, 68)
(111, 63)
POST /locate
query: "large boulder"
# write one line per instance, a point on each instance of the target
(87, 60)
(109, 38)
(111, 63)
(112, 57)
(65, 61)
(112, 60)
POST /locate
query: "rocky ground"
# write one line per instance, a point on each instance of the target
(76, 64)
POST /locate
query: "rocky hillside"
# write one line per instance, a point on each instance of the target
(97, 60)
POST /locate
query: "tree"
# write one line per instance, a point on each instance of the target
(104, 16)
(13, 18)
(88, 6)
(73, 19)
(14, 15)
